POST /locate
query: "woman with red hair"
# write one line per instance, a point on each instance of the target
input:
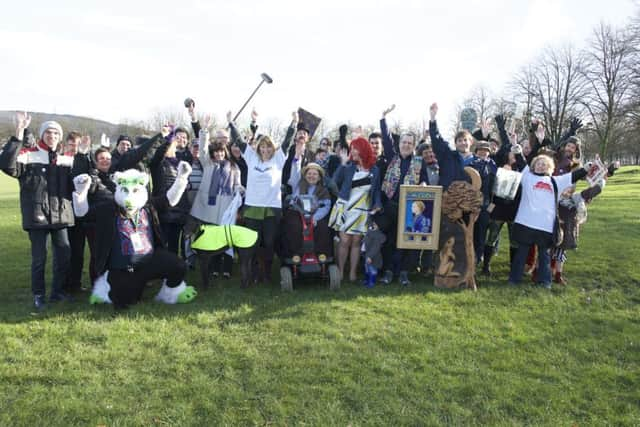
(358, 181)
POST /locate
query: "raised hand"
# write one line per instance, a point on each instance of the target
(295, 117)
(540, 132)
(85, 144)
(433, 111)
(104, 141)
(229, 116)
(22, 119)
(344, 155)
(388, 110)
(484, 127)
(82, 183)
(184, 169)
(342, 132)
(191, 108)
(254, 115)
(165, 130)
(207, 120)
(500, 121)
(513, 137)
(534, 124)
(575, 124)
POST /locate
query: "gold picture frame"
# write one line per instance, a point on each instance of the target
(419, 212)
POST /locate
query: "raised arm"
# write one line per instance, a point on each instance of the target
(203, 138)
(290, 132)
(502, 155)
(148, 149)
(159, 154)
(236, 137)
(9, 156)
(536, 138)
(574, 125)
(387, 138)
(191, 110)
(482, 133)
(254, 123)
(440, 146)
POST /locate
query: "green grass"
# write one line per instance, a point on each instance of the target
(387, 356)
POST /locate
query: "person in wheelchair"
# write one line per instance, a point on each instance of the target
(307, 211)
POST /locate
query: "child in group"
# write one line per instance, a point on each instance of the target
(372, 250)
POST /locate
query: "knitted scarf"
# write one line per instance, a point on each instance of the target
(392, 177)
(221, 181)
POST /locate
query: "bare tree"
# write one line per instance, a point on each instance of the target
(481, 100)
(163, 117)
(607, 70)
(275, 128)
(554, 86)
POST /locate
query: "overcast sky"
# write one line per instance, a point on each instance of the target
(343, 60)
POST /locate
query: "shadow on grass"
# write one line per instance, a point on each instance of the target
(263, 301)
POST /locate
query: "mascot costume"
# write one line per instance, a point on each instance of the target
(129, 249)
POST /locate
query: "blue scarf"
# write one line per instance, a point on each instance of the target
(221, 181)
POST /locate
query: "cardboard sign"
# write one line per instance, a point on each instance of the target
(597, 172)
(309, 120)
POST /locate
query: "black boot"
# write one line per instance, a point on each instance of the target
(488, 253)
(267, 269)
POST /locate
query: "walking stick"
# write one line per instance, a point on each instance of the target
(265, 78)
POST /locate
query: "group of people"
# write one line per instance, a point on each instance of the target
(354, 182)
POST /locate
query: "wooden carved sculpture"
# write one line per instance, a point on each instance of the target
(461, 205)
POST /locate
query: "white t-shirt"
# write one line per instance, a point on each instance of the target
(264, 179)
(538, 206)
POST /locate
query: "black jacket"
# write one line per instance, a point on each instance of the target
(163, 175)
(307, 157)
(45, 184)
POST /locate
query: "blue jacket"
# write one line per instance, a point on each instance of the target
(344, 176)
(451, 162)
(487, 170)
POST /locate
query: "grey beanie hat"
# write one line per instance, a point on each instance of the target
(50, 125)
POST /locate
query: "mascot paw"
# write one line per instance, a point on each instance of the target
(100, 292)
(180, 294)
(188, 295)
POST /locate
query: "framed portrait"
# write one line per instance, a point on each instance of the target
(419, 212)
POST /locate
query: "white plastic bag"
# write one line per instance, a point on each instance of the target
(506, 184)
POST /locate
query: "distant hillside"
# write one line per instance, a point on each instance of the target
(85, 125)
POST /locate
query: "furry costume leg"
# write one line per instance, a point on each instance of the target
(100, 292)
(180, 294)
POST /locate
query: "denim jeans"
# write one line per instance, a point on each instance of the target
(480, 233)
(517, 265)
(61, 258)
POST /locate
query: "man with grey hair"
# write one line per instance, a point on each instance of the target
(45, 201)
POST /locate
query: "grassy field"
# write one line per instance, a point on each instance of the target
(387, 356)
